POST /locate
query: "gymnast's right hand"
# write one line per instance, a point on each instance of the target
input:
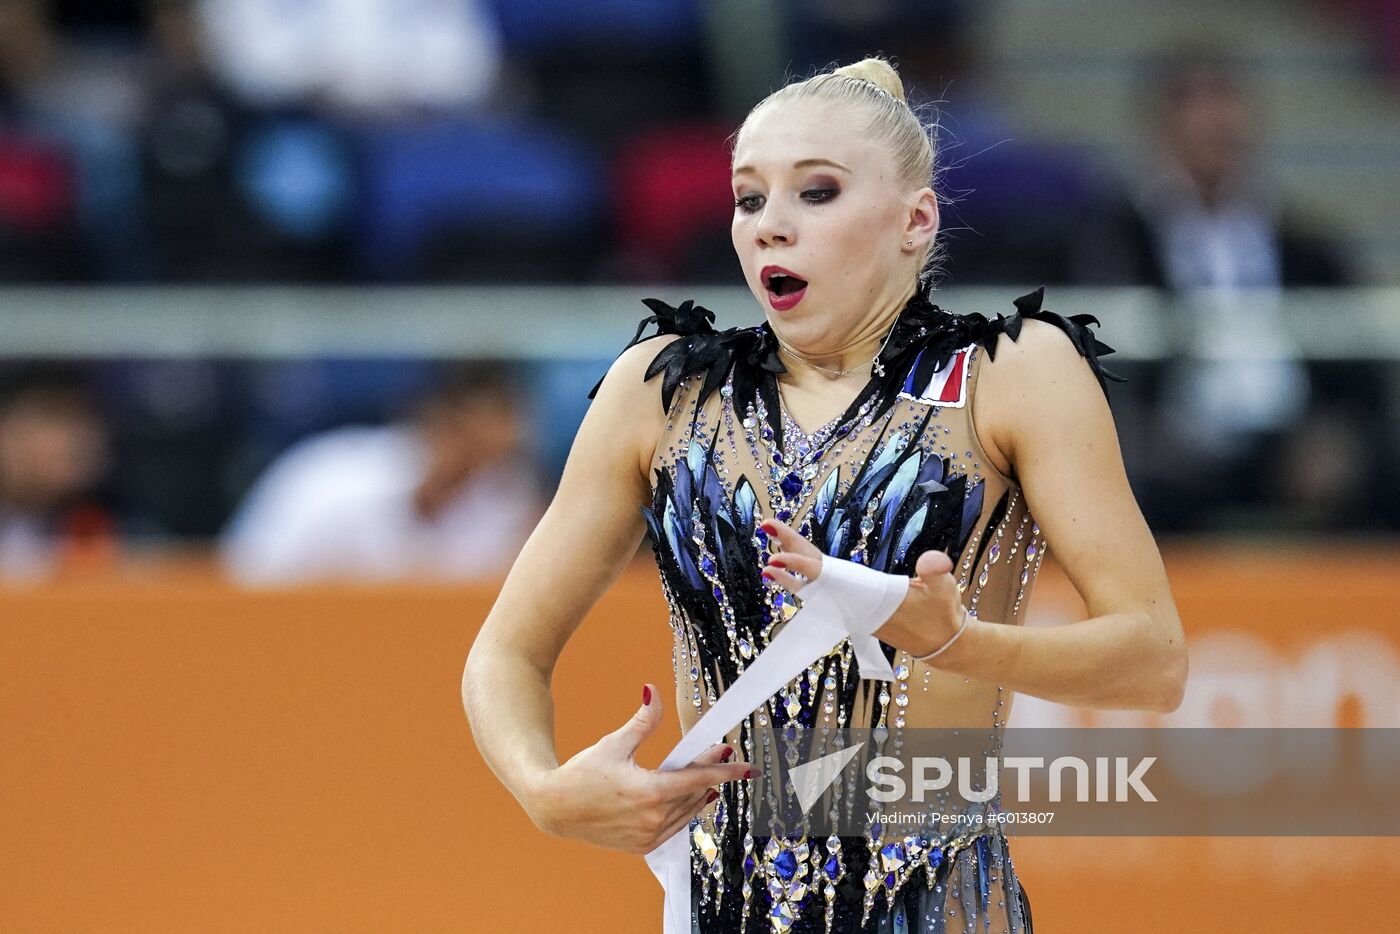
(604, 797)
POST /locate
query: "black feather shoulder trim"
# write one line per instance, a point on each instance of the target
(925, 337)
(977, 328)
(702, 349)
(1076, 327)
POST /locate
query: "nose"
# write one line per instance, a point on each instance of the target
(774, 227)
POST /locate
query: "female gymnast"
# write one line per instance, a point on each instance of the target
(859, 426)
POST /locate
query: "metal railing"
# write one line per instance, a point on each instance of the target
(595, 321)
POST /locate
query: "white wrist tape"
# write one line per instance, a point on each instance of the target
(860, 600)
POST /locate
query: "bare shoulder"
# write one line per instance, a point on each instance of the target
(1036, 384)
(593, 524)
(628, 407)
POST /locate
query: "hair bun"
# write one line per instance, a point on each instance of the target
(878, 72)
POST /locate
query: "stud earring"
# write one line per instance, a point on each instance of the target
(908, 242)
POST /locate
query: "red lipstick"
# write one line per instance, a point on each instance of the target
(785, 287)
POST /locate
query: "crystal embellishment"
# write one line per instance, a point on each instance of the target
(786, 864)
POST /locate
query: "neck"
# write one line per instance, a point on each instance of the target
(858, 354)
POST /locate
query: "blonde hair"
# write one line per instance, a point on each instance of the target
(873, 84)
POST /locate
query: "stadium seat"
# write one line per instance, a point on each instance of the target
(542, 25)
(1012, 201)
(672, 190)
(492, 188)
(604, 68)
(39, 238)
(36, 185)
(298, 176)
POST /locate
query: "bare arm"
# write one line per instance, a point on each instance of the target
(1052, 422)
(1054, 425)
(584, 540)
(581, 544)
(1055, 428)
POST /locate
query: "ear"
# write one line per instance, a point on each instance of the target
(921, 222)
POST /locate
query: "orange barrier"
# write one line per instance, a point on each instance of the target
(179, 756)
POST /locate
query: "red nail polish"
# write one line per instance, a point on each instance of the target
(728, 751)
(646, 695)
(711, 796)
(766, 576)
(776, 563)
(748, 773)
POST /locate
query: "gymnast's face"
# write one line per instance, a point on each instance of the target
(820, 222)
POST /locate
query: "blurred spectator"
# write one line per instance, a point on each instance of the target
(178, 428)
(1206, 214)
(53, 454)
(1207, 224)
(232, 194)
(443, 495)
(372, 57)
(39, 239)
(83, 100)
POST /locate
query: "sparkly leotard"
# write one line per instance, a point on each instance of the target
(901, 471)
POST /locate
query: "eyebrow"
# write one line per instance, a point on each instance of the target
(801, 164)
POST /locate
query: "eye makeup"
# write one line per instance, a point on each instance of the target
(816, 194)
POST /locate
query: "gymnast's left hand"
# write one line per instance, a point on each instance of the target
(928, 617)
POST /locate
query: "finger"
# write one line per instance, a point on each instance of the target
(933, 563)
(719, 752)
(785, 579)
(788, 537)
(810, 566)
(643, 723)
(696, 778)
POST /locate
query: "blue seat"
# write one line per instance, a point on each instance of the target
(1014, 201)
(491, 180)
(995, 168)
(298, 175)
(533, 26)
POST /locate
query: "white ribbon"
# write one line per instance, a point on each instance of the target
(845, 601)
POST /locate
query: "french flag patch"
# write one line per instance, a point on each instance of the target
(946, 387)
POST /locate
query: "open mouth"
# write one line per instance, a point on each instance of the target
(781, 283)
